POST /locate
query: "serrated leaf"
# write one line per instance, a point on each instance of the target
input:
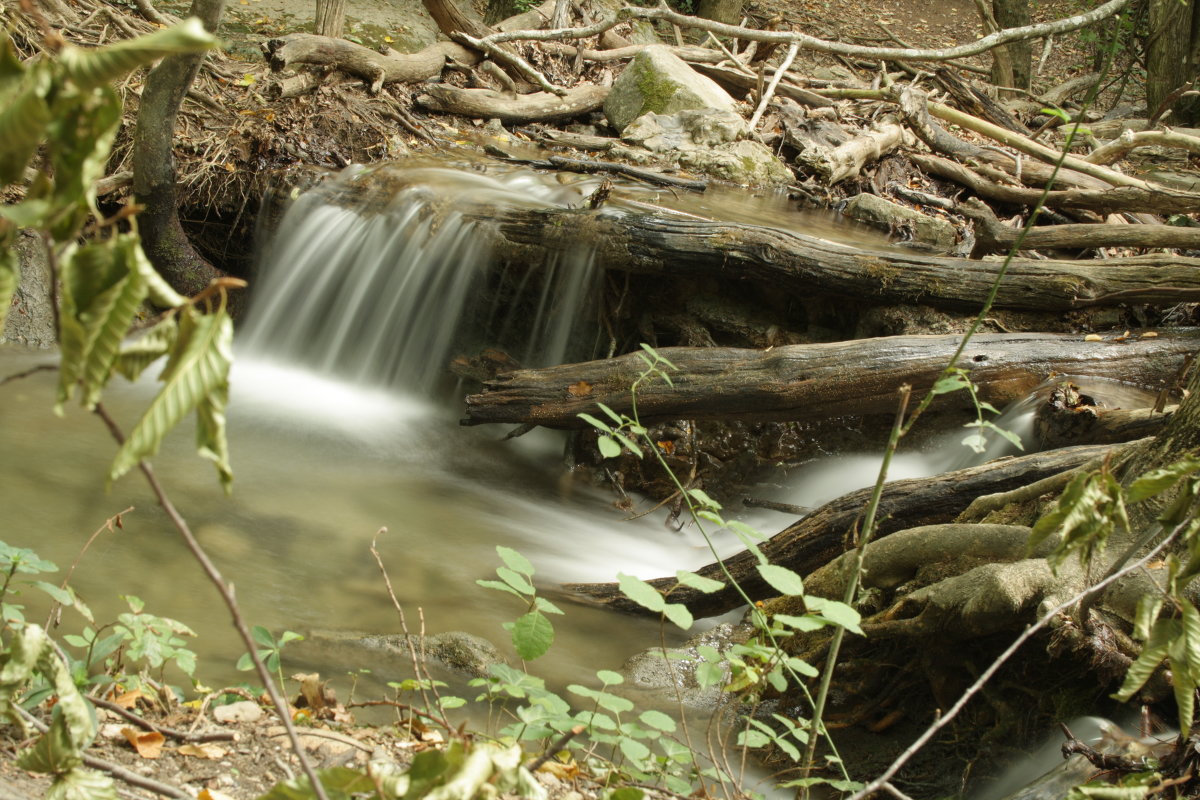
(198, 366)
(641, 592)
(92, 67)
(698, 582)
(782, 579)
(24, 117)
(1153, 652)
(515, 560)
(1191, 634)
(516, 580)
(137, 355)
(532, 635)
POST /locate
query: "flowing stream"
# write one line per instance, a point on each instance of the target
(339, 427)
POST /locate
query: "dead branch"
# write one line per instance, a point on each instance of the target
(489, 104)
(1128, 141)
(375, 68)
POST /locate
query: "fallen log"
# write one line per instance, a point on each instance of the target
(1119, 198)
(375, 68)
(847, 159)
(818, 381)
(660, 245)
(829, 531)
(991, 236)
(489, 104)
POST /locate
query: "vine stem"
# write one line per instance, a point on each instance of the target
(225, 589)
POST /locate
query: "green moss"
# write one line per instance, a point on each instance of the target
(656, 91)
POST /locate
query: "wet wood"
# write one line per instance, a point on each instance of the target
(647, 244)
(819, 381)
(1060, 427)
(829, 531)
(517, 109)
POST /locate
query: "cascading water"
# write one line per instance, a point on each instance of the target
(379, 291)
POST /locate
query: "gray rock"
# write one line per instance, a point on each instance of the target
(677, 671)
(657, 80)
(30, 318)
(938, 233)
(705, 140)
(456, 650)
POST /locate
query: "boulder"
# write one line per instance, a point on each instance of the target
(658, 81)
(710, 141)
(938, 233)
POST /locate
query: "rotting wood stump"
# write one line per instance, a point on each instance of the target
(816, 381)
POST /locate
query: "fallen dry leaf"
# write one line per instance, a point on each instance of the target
(1093, 337)
(581, 389)
(1150, 335)
(129, 699)
(203, 750)
(147, 743)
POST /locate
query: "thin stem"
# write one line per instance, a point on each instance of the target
(227, 594)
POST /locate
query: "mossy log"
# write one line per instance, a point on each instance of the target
(817, 381)
(829, 531)
(649, 244)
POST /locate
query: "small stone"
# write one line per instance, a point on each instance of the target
(243, 711)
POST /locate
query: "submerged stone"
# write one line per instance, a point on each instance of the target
(937, 233)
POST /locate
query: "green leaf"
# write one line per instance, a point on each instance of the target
(1157, 481)
(698, 582)
(610, 678)
(197, 367)
(678, 614)
(641, 592)
(704, 500)
(532, 635)
(92, 67)
(630, 444)
(782, 579)
(24, 117)
(633, 749)
(709, 673)
(57, 593)
(10, 277)
(613, 703)
(803, 624)
(953, 382)
(516, 580)
(836, 612)
(340, 783)
(546, 607)
(82, 784)
(137, 355)
(626, 793)
(658, 720)
(595, 423)
(1153, 652)
(614, 416)
(262, 635)
(515, 560)
(609, 447)
(753, 739)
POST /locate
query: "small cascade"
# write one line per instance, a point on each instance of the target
(377, 276)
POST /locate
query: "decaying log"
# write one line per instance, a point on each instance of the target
(846, 160)
(1159, 200)
(646, 244)
(817, 381)
(991, 236)
(977, 102)
(828, 532)
(490, 104)
(375, 68)
(742, 83)
(1128, 141)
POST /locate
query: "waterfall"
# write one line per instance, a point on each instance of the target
(380, 276)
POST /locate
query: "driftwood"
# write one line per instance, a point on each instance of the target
(847, 159)
(1059, 427)
(648, 244)
(520, 109)
(991, 236)
(818, 381)
(828, 532)
(375, 68)
(741, 83)
(1159, 200)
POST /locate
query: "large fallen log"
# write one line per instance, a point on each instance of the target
(647, 244)
(828, 532)
(818, 381)
(375, 68)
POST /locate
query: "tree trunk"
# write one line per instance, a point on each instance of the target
(163, 237)
(727, 11)
(1168, 50)
(1015, 14)
(818, 381)
(331, 18)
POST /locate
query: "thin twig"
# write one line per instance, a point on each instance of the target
(26, 373)
(558, 744)
(171, 733)
(227, 594)
(774, 84)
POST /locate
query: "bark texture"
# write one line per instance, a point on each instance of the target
(815, 381)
